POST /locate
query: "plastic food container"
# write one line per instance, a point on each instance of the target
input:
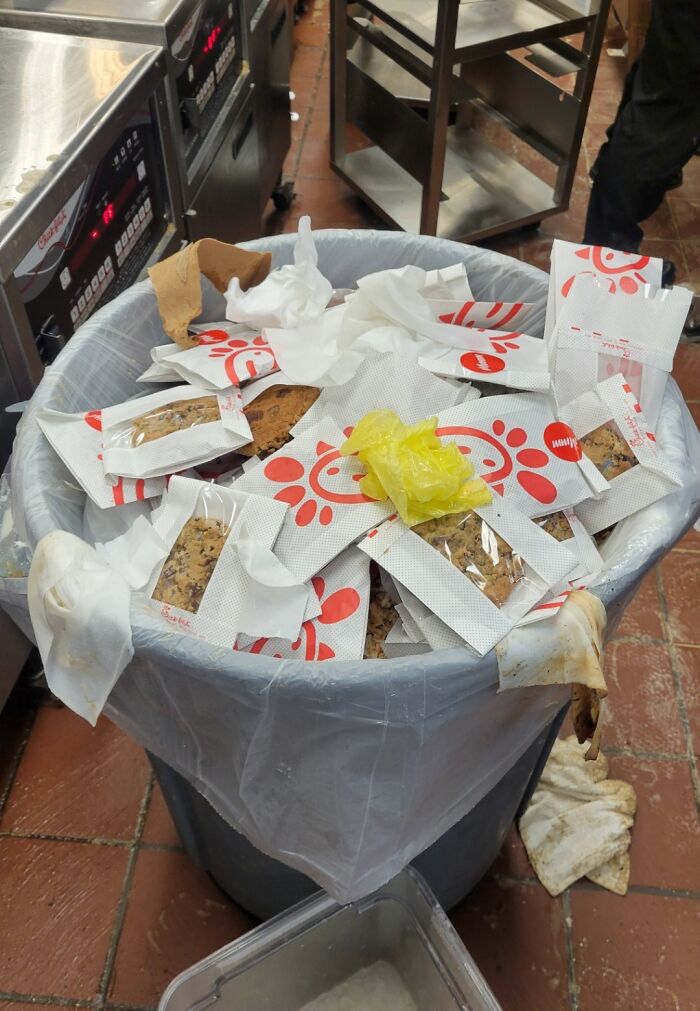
(319, 944)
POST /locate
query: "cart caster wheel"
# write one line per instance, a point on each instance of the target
(283, 195)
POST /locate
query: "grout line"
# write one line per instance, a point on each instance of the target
(570, 951)
(26, 998)
(310, 109)
(17, 759)
(128, 1007)
(584, 885)
(649, 756)
(49, 837)
(120, 916)
(680, 694)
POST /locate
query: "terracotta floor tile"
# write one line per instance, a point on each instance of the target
(304, 92)
(307, 62)
(680, 576)
(642, 700)
(686, 214)
(159, 827)
(59, 901)
(66, 765)
(691, 540)
(308, 33)
(666, 249)
(513, 860)
(537, 251)
(665, 849)
(686, 370)
(635, 953)
(689, 664)
(515, 933)
(642, 614)
(691, 249)
(175, 916)
(314, 160)
(15, 722)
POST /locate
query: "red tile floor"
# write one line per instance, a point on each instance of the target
(99, 905)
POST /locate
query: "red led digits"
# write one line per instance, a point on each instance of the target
(211, 39)
(108, 214)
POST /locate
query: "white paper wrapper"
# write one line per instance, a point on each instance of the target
(312, 353)
(599, 334)
(617, 272)
(506, 316)
(79, 608)
(507, 359)
(249, 590)
(387, 382)
(161, 371)
(179, 449)
(421, 624)
(451, 595)
(341, 590)
(398, 643)
(650, 479)
(522, 451)
(447, 283)
(328, 512)
(223, 360)
(289, 296)
(77, 438)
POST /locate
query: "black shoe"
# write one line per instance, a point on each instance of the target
(668, 274)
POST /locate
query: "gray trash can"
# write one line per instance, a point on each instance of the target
(278, 774)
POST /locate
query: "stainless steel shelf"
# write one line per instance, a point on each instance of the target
(484, 189)
(482, 25)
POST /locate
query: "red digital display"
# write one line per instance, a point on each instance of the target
(108, 214)
(211, 39)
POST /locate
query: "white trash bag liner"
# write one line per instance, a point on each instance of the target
(343, 770)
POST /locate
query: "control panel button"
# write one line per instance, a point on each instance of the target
(125, 239)
(74, 314)
(108, 264)
(118, 246)
(141, 170)
(94, 284)
(88, 294)
(65, 278)
(130, 231)
(142, 212)
(101, 274)
(81, 304)
(190, 73)
(147, 204)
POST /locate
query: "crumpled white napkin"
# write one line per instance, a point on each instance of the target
(79, 608)
(289, 296)
(310, 354)
(578, 822)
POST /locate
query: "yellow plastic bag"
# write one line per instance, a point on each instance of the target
(409, 465)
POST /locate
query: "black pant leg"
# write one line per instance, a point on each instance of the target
(656, 130)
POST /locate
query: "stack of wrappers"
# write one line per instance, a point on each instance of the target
(235, 505)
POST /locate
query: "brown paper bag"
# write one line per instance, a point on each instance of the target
(177, 282)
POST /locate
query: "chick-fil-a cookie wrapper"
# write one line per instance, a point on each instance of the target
(171, 430)
(338, 633)
(617, 272)
(610, 425)
(506, 359)
(327, 510)
(77, 438)
(451, 594)
(522, 451)
(226, 355)
(385, 382)
(505, 316)
(241, 586)
(599, 334)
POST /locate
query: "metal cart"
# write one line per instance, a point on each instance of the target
(409, 76)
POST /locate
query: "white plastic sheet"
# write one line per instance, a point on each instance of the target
(345, 770)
